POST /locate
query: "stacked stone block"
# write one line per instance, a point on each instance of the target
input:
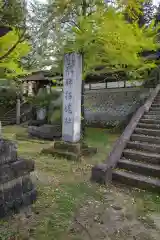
(16, 187)
(112, 107)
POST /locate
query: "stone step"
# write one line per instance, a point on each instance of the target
(7, 119)
(5, 122)
(149, 121)
(154, 148)
(136, 180)
(148, 125)
(145, 138)
(156, 102)
(151, 112)
(9, 113)
(153, 108)
(151, 116)
(157, 97)
(149, 132)
(140, 167)
(155, 105)
(6, 116)
(141, 156)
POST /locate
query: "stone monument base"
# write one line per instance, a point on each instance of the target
(70, 151)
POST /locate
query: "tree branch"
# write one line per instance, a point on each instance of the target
(72, 21)
(20, 40)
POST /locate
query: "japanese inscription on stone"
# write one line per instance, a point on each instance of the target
(72, 97)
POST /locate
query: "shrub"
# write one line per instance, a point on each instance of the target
(8, 98)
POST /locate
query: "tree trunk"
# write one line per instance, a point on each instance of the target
(18, 111)
(0, 129)
(82, 112)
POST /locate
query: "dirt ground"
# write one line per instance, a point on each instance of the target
(70, 207)
(118, 217)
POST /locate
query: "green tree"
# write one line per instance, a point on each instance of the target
(54, 29)
(148, 10)
(143, 12)
(100, 33)
(47, 28)
(13, 47)
(42, 41)
(157, 15)
(12, 13)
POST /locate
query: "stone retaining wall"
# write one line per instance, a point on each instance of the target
(112, 106)
(16, 187)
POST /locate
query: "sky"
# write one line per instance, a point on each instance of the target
(154, 1)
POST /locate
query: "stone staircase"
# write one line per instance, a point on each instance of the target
(9, 117)
(135, 159)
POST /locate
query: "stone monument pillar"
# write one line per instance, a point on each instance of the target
(71, 146)
(72, 81)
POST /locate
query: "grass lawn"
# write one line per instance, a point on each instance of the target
(64, 188)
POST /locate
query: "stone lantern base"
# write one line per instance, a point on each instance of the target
(16, 187)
